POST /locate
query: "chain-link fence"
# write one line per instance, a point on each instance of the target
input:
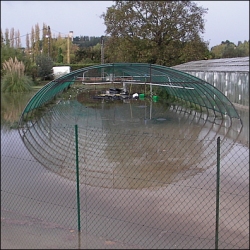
(70, 186)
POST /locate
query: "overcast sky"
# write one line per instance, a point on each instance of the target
(225, 20)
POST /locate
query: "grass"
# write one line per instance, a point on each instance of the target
(11, 82)
(37, 87)
(14, 79)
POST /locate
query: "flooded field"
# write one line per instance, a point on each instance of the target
(132, 143)
(147, 177)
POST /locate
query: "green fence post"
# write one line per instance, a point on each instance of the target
(77, 180)
(217, 194)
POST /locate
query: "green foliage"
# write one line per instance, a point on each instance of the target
(161, 32)
(89, 54)
(59, 56)
(138, 31)
(243, 49)
(12, 82)
(161, 92)
(45, 65)
(228, 49)
(8, 52)
(14, 79)
(193, 51)
(85, 41)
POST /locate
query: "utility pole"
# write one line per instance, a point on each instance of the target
(102, 50)
(49, 41)
(70, 35)
(68, 56)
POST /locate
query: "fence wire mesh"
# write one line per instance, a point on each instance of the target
(136, 189)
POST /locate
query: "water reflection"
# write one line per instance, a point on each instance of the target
(132, 144)
(12, 105)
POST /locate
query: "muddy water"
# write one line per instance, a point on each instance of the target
(38, 199)
(128, 144)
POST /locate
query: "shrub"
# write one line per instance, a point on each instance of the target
(45, 65)
(14, 79)
(11, 82)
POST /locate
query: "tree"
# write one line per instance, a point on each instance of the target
(32, 43)
(8, 52)
(45, 65)
(59, 56)
(12, 37)
(37, 48)
(27, 43)
(2, 39)
(45, 47)
(228, 49)
(217, 51)
(18, 39)
(192, 51)
(154, 31)
(243, 49)
(7, 39)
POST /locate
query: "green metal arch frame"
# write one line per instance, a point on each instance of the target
(179, 84)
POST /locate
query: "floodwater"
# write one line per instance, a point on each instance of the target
(127, 143)
(126, 136)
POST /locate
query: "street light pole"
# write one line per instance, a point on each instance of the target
(48, 36)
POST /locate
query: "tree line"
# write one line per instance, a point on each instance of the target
(228, 49)
(158, 32)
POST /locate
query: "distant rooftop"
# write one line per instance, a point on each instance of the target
(237, 64)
